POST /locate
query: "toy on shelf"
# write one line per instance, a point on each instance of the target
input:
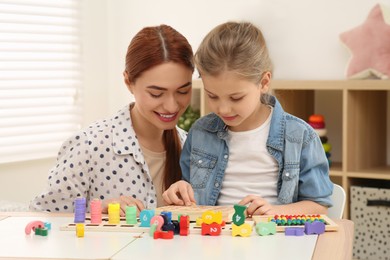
(317, 121)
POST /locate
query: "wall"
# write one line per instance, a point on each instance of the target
(22, 181)
(302, 37)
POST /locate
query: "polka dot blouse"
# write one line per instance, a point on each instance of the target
(104, 161)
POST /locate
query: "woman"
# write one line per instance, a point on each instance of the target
(132, 157)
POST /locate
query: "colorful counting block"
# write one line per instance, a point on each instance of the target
(212, 229)
(244, 230)
(145, 216)
(32, 226)
(131, 215)
(79, 229)
(79, 210)
(294, 231)
(163, 235)
(48, 225)
(316, 227)
(266, 228)
(184, 225)
(239, 214)
(210, 216)
(41, 231)
(155, 224)
(114, 213)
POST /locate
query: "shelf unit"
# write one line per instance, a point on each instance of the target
(357, 120)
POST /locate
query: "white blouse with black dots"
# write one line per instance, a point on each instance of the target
(104, 161)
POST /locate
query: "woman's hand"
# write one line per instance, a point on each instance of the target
(123, 201)
(257, 205)
(180, 193)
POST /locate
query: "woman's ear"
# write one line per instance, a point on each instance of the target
(127, 82)
(265, 81)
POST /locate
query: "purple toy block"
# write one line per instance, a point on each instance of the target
(294, 231)
(316, 227)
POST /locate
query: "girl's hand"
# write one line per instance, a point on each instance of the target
(257, 206)
(180, 193)
(123, 201)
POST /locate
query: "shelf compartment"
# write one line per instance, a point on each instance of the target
(366, 130)
(329, 103)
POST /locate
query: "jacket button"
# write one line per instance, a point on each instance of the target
(216, 184)
(200, 161)
(225, 156)
(287, 174)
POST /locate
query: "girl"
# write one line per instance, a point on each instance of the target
(133, 156)
(248, 151)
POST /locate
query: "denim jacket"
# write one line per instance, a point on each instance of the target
(303, 166)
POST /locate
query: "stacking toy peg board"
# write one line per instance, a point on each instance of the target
(330, 225)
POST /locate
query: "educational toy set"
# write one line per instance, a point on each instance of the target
(165, 222)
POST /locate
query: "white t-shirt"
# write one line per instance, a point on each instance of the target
(251, 169)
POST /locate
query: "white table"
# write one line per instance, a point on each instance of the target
(57, 244)
(221, 247)
(14, 243)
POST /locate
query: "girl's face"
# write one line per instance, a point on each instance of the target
(236, 101)
(162, 94)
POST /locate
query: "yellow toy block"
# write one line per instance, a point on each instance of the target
(199, 222)
(244, 230)
(210, 216)
(80, 229)
(114, 213)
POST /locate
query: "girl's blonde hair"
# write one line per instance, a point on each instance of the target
(234, 46)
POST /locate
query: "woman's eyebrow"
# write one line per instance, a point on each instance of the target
(161, 88)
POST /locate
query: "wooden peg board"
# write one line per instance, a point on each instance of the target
(196, 211)
(330, 225)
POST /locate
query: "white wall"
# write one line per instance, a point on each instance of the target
(302, 35)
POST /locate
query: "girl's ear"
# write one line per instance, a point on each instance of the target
(265, 81)
(127, 82)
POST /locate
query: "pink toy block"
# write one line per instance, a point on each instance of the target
(33, 225)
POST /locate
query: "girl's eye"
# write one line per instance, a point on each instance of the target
(183, 92)
(237, 99)
(212, 97)
(155, 95)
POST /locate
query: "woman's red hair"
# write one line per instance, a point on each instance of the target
(153, 46)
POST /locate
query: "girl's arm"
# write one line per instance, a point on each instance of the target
(259, 206)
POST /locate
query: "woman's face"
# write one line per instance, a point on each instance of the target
(162, 94)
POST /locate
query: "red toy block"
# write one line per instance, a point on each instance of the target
(163, 235)
(212, 229)
(184, 225)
